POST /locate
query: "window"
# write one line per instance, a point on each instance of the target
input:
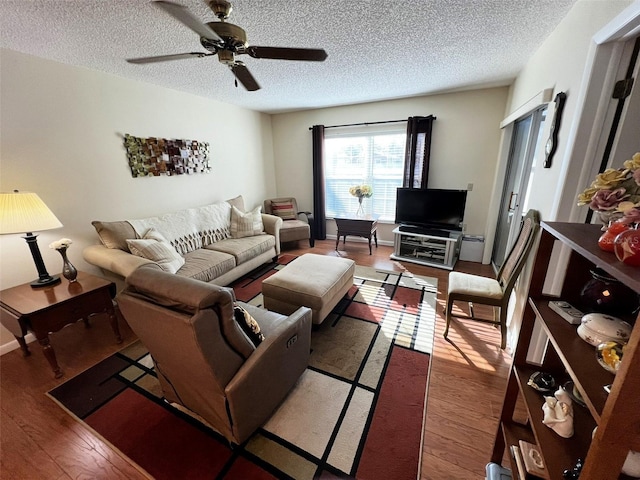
(372, 158)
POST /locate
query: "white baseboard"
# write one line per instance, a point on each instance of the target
(12, 345)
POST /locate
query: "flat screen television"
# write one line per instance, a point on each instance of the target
(430, 208)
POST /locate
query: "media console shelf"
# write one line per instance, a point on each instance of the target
(426, 249)
(568, 357)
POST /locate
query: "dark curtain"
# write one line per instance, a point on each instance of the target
(319, 220)
(417, 152)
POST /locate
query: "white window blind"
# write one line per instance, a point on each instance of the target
(374, 158)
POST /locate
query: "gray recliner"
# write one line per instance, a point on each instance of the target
(204, 360)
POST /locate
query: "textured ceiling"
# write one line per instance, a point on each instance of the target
(377, 50)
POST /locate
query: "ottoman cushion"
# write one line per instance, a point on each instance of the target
(314, 281)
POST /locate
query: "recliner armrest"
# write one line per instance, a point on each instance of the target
(270, 372)
(309, 216)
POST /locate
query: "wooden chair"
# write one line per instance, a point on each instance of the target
(494, 292)
(296, 225)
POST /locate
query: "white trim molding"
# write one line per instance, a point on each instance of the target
(542, 98)
(13, 345)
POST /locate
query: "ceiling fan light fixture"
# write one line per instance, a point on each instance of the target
(221, 8)
(226, 57)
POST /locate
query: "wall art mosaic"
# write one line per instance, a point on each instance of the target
(153, 157)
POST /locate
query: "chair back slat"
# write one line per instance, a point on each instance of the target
(518, 255)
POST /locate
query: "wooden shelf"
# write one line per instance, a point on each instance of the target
(569, 357)
(578, 357)
(559, 453)
(583, 239)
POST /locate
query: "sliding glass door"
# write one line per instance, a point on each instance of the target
(525, 141)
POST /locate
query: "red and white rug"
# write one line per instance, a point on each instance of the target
(356, 412)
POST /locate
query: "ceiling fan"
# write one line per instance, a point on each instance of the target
(227, 40)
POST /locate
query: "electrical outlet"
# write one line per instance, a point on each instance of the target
(292, 340)
(469, 187)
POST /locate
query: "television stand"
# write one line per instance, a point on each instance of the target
(440, 250)
(434, 232)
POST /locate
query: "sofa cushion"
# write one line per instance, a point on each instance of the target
(115, 234)
(244, 249)
(246, 224)
(206, 265)
(153, 246)
(292, 230)
(248, 324)
(284, 210)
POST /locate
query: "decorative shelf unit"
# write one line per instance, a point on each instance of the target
(433, 250)
(568, 357)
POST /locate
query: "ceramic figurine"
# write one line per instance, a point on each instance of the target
(558, 413)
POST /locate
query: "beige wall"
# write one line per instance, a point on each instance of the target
(464, 148)
(62, 131)
(560, 64)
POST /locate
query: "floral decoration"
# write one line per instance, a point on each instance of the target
(361, 191)
(61, 244)
(616, 192)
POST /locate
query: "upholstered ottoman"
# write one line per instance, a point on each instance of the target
(314, 281)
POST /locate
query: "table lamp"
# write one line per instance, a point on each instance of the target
(25, 212)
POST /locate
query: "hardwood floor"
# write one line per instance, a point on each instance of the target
(467, 380)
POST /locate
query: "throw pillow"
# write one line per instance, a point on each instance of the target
(246, 224)
(153, 246)
(248, 324)
(114, 234)
(284, 210)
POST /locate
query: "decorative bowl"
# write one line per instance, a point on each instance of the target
(542, 382)
(609, 355)
(597, 328)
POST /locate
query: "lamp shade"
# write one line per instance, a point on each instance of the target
(22, 212)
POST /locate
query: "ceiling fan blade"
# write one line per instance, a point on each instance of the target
(183, 15)
(164, 58)
(280, 53)
(243, 74)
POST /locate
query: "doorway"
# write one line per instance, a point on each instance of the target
(525, 142)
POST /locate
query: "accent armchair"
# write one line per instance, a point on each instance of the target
(293, 228)
(489, 291)
(204, 360)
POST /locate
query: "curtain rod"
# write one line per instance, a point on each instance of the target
(366, 123)
(359, 124)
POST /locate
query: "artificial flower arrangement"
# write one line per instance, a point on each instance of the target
(615, 193)
(361, 191)
(61, 244)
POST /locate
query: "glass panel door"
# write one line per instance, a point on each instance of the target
(524, 143)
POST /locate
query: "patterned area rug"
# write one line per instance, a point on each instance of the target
(356, 412)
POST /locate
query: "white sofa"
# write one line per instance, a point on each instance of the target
(206, 243)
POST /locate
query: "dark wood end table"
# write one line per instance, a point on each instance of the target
(49, 309)
(365, 226)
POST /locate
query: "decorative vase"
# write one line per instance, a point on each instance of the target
(605, 242)
(68, 270)
(360, 211)
(627, 247)
(605, 294)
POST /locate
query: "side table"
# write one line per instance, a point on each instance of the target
(366, 227)
(49, 309)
